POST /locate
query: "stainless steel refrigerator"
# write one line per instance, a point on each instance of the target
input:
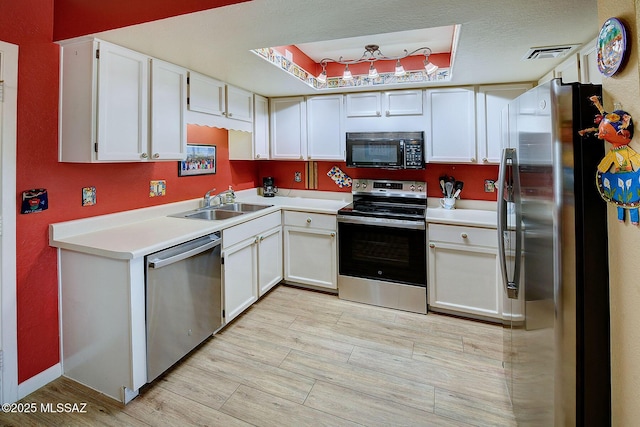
(552, 227)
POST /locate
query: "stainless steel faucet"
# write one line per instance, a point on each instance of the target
(207, 198)
(229, 197)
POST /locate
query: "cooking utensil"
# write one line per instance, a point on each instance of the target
(448, 186)
(458, 187)
(442, 180)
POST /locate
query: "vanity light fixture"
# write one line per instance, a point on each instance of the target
(372, 54)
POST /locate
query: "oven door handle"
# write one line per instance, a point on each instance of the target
(382, 222)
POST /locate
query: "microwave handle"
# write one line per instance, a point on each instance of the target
(402, 155)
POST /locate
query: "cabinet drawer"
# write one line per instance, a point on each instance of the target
(463, 235)
(310, 220)
(240, 232)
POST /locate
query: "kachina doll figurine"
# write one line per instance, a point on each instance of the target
(618, 174)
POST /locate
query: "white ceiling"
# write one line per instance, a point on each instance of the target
(438, 39)
(494, 35)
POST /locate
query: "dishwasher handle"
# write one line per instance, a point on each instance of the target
(159, 262)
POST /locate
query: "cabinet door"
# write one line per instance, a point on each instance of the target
(288, 128)
(569, 70)
(168, 104)
(123, 104)
(206, 95)
(240, 274)
(364, 104)
(310, 257)
(589, 72)
(403, 103)
(325, 134)
(260, 127)
(239, 104)
(269, 259)
(451, 125)
(464, 279)
(491, 101)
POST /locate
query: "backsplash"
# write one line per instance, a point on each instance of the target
(473, 176)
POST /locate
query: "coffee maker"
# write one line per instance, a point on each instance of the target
(268, 187)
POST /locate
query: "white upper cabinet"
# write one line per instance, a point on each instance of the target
(569, 69)
(260, 127)
(215, 103)
(123, 95)
(105, 94)
(390, 111)
(589, 72)
(491, 100)
(377, 104)
(403, 103)
(255, 145)
(367, 104)
(288, 128)
(239, 104)
(325, 130)
(451, 132)
(168, 98)
(206, 95)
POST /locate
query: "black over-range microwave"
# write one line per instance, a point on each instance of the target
(391, 150)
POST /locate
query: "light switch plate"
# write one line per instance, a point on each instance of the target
(157, 188)
(489, 186)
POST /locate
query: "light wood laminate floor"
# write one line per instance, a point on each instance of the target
(304, 358)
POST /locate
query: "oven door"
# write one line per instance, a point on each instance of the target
(383, 249)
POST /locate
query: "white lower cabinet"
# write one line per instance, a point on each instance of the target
(252, 262)
(310, 249)
(464, 271)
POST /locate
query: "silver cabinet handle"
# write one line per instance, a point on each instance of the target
(308, 220)
(333, 234)
(464, 235)
(432, 245)
(485, 160)
(378, 113)
(156, 155)
(144, 155)
(473, 160)
(229, 114)
(257, 156)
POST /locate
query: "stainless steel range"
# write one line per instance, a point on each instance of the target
(382, 245)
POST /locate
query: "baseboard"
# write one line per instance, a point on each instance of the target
(27, 387)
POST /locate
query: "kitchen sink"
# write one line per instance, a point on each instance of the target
(221, 212)
(207, 213)
(242, 207)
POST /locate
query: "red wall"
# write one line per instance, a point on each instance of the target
(30, 24)
(74, 18)
(472, 175)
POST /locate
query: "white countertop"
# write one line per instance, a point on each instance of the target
(139, 232)
(470, 217)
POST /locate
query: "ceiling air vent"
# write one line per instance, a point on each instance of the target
(548, 52)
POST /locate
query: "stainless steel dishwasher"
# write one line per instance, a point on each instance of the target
(184, 300)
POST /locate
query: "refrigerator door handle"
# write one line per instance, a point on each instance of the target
(509, 187)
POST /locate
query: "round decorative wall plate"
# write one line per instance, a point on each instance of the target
(611, 46)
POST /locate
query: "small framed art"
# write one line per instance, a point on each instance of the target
(201, 160)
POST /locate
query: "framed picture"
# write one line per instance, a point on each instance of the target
(201, 160)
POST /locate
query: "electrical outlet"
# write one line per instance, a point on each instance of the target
(297, 177)
(489, 186)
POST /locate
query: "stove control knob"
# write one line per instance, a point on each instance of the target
(413, 187)
(357, 185)
(364, 185)
(419, 187)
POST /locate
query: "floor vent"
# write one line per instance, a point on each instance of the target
(549, 52)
